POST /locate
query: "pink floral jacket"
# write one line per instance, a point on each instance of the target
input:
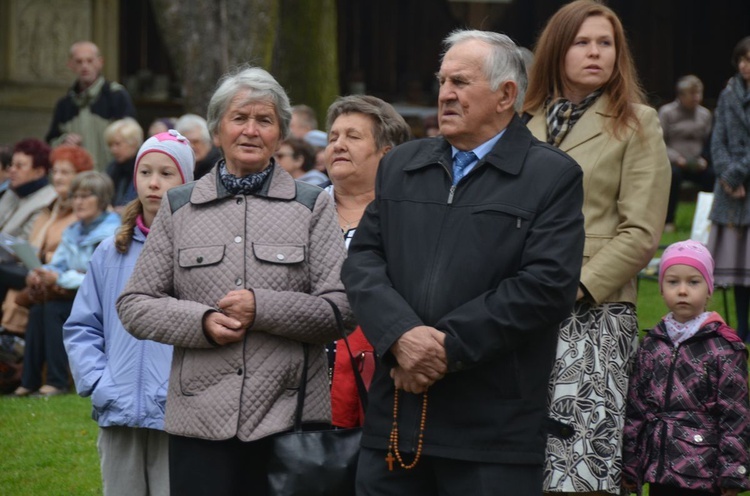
(688, 417)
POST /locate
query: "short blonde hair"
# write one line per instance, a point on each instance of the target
(128, 129)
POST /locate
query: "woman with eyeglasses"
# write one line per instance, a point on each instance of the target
(46, 233)
(297, 157)
(55, 284)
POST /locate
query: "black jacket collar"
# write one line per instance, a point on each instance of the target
(508, 154)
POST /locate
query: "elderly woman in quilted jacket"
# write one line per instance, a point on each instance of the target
(239, 273)
(688, 419)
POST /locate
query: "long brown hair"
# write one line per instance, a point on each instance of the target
(127, 229)
(547, 76)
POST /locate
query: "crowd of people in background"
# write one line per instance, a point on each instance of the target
(184, 276)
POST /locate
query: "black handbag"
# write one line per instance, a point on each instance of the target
(318, 462)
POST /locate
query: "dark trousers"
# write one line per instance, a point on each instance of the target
(44, 344)
(661, 490)
(12, 276)
(198, 467)
(704, 179)
(434, 476)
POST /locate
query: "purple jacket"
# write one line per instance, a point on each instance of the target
(688, 418)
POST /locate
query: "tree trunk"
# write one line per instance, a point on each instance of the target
(295, 41)
(205, 38)
(306, 58)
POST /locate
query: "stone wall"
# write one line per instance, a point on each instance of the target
(35, 36)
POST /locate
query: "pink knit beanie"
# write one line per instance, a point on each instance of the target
(175, 146)
(690, 253)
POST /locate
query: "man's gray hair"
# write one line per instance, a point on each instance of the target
(505, 62)
(689, 83)
(193, 122)
(259, 85)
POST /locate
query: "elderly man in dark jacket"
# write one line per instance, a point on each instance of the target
(460, 272)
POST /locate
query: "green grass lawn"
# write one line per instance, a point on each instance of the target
(48, 446)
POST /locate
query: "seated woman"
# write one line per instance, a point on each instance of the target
(46, 233)
(124, 138)
(55, 284)
(687, 131)
(30, 192)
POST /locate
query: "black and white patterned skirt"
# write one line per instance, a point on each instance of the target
(588, 391)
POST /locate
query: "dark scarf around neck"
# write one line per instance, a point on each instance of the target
(245, 185)
(31, 187)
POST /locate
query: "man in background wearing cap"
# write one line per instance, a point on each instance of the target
(318, 140)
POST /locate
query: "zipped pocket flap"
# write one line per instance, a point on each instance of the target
(279, 254)
(508, 210)
(200, 256)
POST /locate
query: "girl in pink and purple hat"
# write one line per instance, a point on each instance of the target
(687, 429)
(126, 377)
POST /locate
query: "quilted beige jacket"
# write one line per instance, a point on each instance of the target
(285, 245)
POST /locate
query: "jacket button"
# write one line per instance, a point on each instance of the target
(239, 371)
(742, 470)
(199, 259)
(238, 281)
(698, 438)
(280, 256)
(459, 365)
(238, 239)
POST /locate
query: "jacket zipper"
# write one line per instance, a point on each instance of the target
(430, 285)
(139, 402)
(428, 294)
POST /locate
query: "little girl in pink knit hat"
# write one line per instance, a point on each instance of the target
(687, 426)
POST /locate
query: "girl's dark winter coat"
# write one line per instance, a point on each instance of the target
(688, 418)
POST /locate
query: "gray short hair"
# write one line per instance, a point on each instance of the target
(262, 87)
(389, 128)
(190, 122)
(97, 183)
(689, 83)
(505, 62)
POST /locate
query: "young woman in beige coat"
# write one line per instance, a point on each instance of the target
(584, 98)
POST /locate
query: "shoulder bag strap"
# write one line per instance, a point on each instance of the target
(357, 376)
(302, 391)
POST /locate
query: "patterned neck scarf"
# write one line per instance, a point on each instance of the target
(245, 185)
(679, 332)
(562, 115)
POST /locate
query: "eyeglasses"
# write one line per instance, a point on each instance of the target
(81, 196)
